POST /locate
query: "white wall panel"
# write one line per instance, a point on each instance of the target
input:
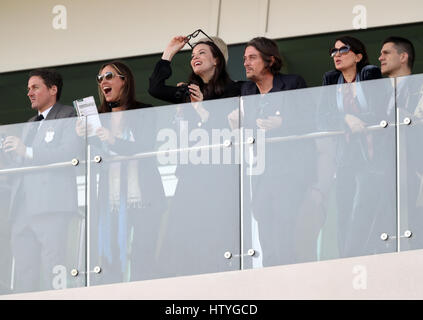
(96, 29)
(390, 276)
(241, 20)
(304, 17)
(106, 29)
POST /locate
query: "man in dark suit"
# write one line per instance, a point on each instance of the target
(278, 175)
(42, 199)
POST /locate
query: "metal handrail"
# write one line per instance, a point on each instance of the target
(314, 135)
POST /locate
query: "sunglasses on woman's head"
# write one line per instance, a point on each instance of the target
(342, 50)
(195, 34)
(108, 76)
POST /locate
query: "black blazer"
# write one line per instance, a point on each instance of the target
(281, 82)
(158, 88)
(329, 118)
(280, 158)
(369, 72)
(372, 109)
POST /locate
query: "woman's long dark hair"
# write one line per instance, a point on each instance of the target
(358, 48)
(216, 86)
(127, 97)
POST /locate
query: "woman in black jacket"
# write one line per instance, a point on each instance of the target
(352, 106)
(208, 80)
(203, 213)
(351, 63)
(349, 107)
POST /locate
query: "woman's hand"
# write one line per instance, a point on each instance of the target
(196, 97)
(195, 93)
(354, 123)
(105, 135)
(81, 129)
(176, 44)
(233, 119)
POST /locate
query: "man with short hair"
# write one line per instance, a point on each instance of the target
(42, 200)
(396, 57)
(397, 60)
(44, 91)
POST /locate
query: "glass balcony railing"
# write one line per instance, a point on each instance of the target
(43, 206)
(231, 184)
(409, 102)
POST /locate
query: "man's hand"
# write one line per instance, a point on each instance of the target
(269, 123)
(105, 135)
(14, 144)
(233, 119)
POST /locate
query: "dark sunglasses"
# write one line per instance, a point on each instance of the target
(195, 34)
(342, 50)
(108, 76)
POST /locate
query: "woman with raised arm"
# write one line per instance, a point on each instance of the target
(206, 193)
(209, 78)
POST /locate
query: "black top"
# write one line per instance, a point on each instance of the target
(281, 82)
(160, 90)
(364, 150)
(369, 72)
